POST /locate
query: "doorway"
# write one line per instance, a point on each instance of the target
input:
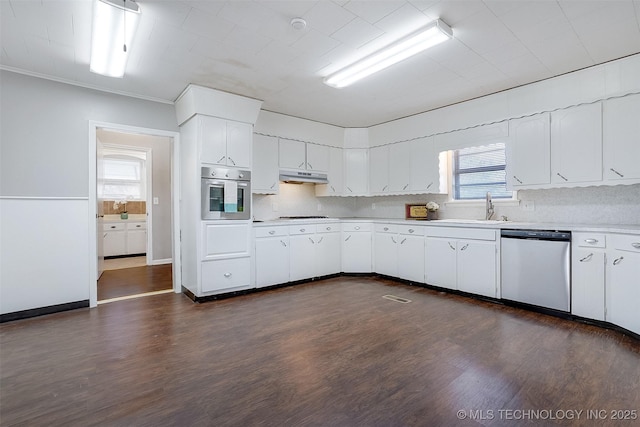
(138, 213)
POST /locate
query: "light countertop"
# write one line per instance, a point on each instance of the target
(132, 218)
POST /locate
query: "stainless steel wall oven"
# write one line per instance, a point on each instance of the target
(226, 193)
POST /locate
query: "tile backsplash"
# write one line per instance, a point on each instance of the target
(132, 207)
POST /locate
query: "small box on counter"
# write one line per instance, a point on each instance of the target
(412, 211)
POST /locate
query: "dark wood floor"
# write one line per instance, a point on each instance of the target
(133, 281)
(329, 353)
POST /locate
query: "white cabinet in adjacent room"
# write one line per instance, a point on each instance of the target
(576, 144)
(356, 247)
(271, 255)
(588, 275)
(621, 138)
(136, 238)
(356, 171)
(265, 177)
(225, 142)
(115, 241)
(622, 281)
(528, 151)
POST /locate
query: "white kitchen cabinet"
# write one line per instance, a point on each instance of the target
(528, 151)
(302, 263)
(225, 142)
(225, 239)
(328, 249)
(386, 249)
(271, 256)
(465, 259)
(588, 275)
(265, 177)
(115, 241)
(379, 170)
(399, 160)
(356, 247)
(226, 275)
(424, 164)
(303, 156)
(335, 175)
(576, 144)
(356, 171)
(623, 282)
(411, 253)
(136, 238)
(621, 139)
(307, 247)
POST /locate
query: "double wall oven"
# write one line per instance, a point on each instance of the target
(226, 193)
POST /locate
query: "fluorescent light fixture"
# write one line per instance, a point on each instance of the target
(114, 25)
(434, 33)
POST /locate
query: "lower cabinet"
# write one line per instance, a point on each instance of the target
(465, 259)
(328, 245)
(623, 282)
(411, 250)
(385, 251)
(356, 247)
(125, 238)
(314, 250)
(272, 256)
(226, 275)
(588, 275)
(136, 238)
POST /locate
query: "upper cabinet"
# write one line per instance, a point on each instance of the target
(379, 170)
(356, 167)
(335, 174)
(621, 127)
(225, 142)
(266, 174)
(302, 155)
(576, 144)
(528, 151)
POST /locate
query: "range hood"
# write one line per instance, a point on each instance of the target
(301, 177)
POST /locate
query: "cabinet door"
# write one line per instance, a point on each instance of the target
(114, 243)
(440, 262)
(334, 175)
(328, 259)
(213, 140)
(265, 178)
(621, 143)
(292, 154)
(379, 169)
(476, 267)
(272, 261)
(356, 171)
(576, 144)
(587, 283)
(136, 241)
(223, 240)
(386, 254)
(356, 252)
(226, 275)
(425, 166)
(411, 258)
(623, 290)
(317, 158)
(528, 151)
(239, 144)
(399, 167)
(302, 260)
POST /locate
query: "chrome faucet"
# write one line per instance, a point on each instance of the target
(488, 208)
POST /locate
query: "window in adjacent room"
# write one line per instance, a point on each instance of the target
(124, 178)
(478, 170)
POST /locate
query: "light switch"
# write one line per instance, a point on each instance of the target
(155, 201)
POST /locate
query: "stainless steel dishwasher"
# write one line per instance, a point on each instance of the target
(536, 268)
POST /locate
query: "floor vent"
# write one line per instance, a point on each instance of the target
(397, 299)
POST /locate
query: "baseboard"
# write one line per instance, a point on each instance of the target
(124, 256)
(161, 261)
(41, 311)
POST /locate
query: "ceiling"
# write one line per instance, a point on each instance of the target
(249, 48)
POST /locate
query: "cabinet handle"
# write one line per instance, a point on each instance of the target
(411, 230)
(616, 172)
(617, 261)
(636, 245)
(405, 187)
(558, 173)
(587, 258)
(283, 243)
(302, 230)
(517, 179)
(591, 241)
(393, 240)
(220, 159)
(348, 188)
(333, 189)
(309, 164)
(451, 246)
(464, 247)
(113, 226)
(357, 227)
(386, 229)
(227, 275)
(272, 232)
(384, 188)
(321, 239)
(231, 160)
(348, 237)
(403, 240)
(272, 185)
(328, 228)
(300, 165)
(429, 186)
(138, 226)
(312, 240)
(105, 236)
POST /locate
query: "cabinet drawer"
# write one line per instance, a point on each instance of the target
(225, 274)
(411, 230)
(271, 231)
(386, 228)
(357, 226)
(113, 226)
(302, 229)
(462, 233)
(136, 225)
(625, 242)
(328, 228)
(589, 240)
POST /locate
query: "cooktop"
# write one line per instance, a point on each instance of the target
(303, 217)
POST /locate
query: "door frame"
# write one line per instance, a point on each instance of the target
(175, 200)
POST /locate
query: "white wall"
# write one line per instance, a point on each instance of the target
(44, 183)
(284, 126)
